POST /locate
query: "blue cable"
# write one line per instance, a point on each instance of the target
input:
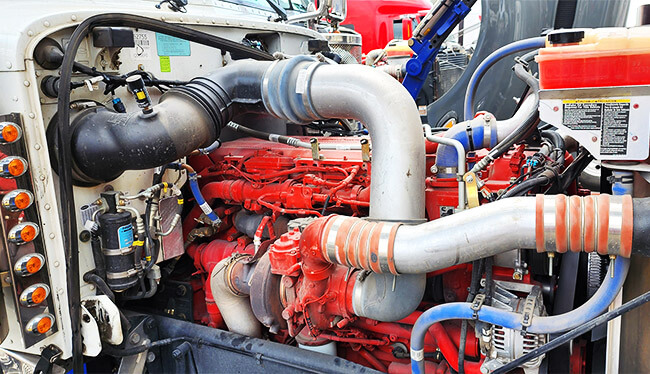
(489, 61)
(539, 325)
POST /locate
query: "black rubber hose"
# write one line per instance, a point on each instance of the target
(641, 230)
(558, 142)
(96, 246)
(565, 338)
(573, 171)
(68, 211)
(101, 285)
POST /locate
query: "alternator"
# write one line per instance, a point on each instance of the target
(501, 345)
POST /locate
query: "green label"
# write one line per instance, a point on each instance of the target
(165, 65)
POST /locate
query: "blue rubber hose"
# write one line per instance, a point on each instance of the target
(489, 61)
(540, 325)
(205, 207)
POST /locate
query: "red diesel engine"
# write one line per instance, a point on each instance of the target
(263, 193)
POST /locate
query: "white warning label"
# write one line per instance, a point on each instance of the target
(611, 117)
(143, 45)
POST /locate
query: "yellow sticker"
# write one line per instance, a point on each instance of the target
(180, 201)
(592, 101)
(138, 243)
(140, 95)
(165, 64)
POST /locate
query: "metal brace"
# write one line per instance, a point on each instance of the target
(49, 355)
(472, 190)
(477, 304)
(315, 149)
(529, 309)
(365, 150)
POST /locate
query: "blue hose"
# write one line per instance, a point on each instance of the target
(493, 58)
(447, 157)
(205, 207)
(540, 325)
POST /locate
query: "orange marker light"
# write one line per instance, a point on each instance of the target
(23, 233)
(29, 264)
(39, 295)
(33, 265)
(34, 294)
(44, 325)
(40, 324)
(9, 132)
(28, 233)
(16, 167)
(17, 200)
(12, 166)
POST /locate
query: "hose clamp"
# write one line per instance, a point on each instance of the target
(470, 135)
(529, 308)
(477, 304)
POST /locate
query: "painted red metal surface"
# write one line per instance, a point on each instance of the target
(265, 177)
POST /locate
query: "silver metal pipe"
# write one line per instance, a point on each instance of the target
(507, 126)
(392, 119)
(235, 309)
(466, 236)
(303, 90)
(461, 161)
(547, 223)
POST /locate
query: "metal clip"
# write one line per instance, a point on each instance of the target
(365, 150)
(529, 308)
(472, 189)
(315, 149)
(477, 304)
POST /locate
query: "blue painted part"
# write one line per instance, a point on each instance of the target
(539, 325)
(418, 67)
(623, 188)
(518, 46)
(446, 156)
(196, 191)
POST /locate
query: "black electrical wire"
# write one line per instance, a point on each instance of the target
(118, 352)
(68, 211)
(565, 338)
(477, 272)
(525, 186)
(574, 170)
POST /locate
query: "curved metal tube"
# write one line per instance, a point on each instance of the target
(548, 223)
(460, 151)
(235, 309)
(303, 91)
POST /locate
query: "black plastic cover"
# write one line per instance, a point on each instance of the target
(113, 37)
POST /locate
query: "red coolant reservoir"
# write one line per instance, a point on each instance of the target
(595, 58)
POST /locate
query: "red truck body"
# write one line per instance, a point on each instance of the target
(374, 19)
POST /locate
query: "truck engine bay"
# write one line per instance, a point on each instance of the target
(217, 191)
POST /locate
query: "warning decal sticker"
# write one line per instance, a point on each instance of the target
(611, 117)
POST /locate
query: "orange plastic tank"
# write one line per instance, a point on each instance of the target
(595, 58)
